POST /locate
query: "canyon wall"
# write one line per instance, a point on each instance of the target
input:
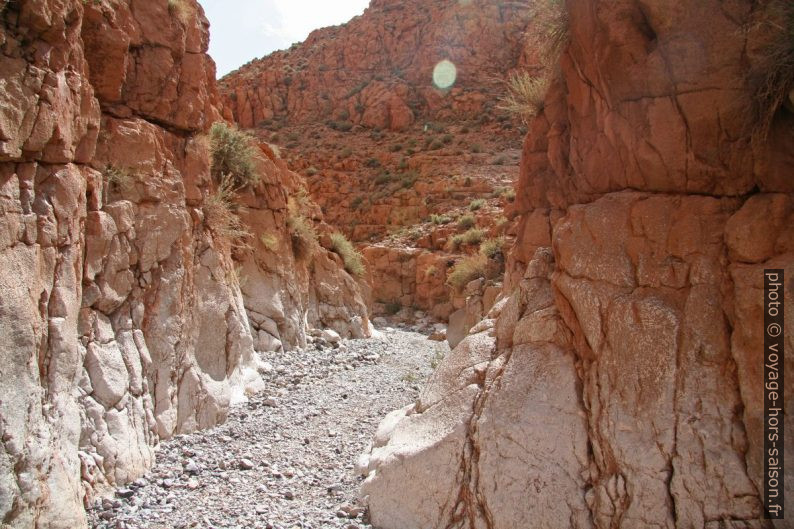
(618, 381)
(122, 317)
(375, 70)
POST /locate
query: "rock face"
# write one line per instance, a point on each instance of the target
(375, 70)
(617, 383)
(122, 320)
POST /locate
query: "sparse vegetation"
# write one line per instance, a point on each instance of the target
(466, 222)
(771, 76)
(473, 236)
(393, 307)
(179, 9)
(440, 219)
(119, 178)
(525, 95)
(466, 270)
(302, 236)
(233, 154)
(269, 240)
(221, 213)
(476, 204)
(354, 262)
(356, 202)
(491, 248)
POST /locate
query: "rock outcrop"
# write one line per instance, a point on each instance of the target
(122, 319)
(617, 382)
(384, 148)
(377, 69)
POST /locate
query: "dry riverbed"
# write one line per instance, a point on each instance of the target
(286, 458)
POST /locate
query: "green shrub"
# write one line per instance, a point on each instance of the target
(395, 147)
(473, 236)
(372, 162)
(510, 195)
(234, 154)
(408, 179)
(440, 219)
(354, 262)
(466, 222)
(466, 270)
(474, 205)
(356, 202)
(491, 248)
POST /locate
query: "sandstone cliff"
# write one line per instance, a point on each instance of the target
(617, 383)
(384, 148)
(375, 70)
(122, 317)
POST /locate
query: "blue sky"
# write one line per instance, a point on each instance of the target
(241, 30)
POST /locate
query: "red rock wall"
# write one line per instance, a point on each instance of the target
(122, 320)
(377, 69)
(618, 383)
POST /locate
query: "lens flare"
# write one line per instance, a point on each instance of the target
(444, 74)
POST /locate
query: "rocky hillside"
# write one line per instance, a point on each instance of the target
(415, 166)
(617, 383)
(378, 69)
(135, 290)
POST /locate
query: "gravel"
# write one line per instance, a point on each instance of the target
(286, 458)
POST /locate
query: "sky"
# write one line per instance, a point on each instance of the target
(241, 30)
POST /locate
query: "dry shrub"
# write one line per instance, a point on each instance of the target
(468, 269)
(525, 95)
(771, 77)
(302, 235)
(491, 248)
(234, 153)
(221, 214)
(353, 260)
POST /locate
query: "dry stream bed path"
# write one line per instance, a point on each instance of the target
(286, 458)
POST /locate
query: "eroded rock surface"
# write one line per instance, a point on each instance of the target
(122, 320)
(617, 382)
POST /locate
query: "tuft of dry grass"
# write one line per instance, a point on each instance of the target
(221, 214)
(466, 270)
(354, 262)
(771, 77)
(302, 236)
(180, 9)
(269, 240)
(525, 95)
(119, 178)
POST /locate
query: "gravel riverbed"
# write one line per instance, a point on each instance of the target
(286, 458)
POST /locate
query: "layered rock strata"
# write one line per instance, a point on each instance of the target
(617, 383)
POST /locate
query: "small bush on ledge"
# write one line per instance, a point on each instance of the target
(220, 214)
(302, 235)
(353, 260)
(233, 153)
(467, 270)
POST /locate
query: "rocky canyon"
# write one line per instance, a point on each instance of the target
(225, 303)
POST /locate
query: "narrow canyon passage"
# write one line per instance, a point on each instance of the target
(286, 458)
